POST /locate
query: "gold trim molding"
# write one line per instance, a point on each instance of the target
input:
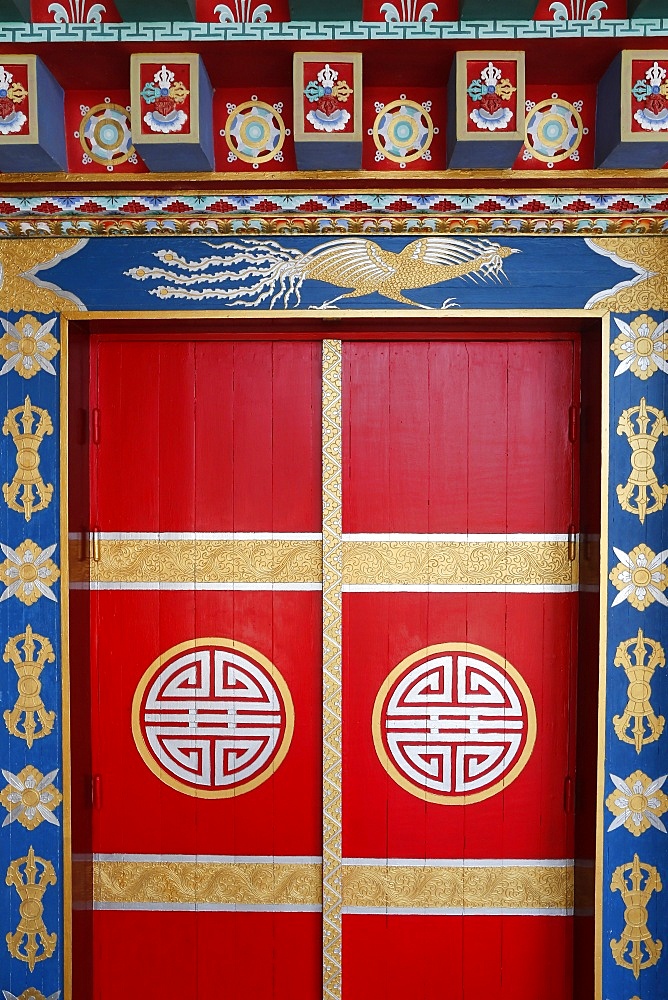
(202, 882)
(138, 561)
(511, 887)
(459, 563)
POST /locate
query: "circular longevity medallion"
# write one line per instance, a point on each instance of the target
(212, 718)
(554, 130)
(105, 134)
(454, 723)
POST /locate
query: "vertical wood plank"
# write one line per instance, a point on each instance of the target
(332, 562)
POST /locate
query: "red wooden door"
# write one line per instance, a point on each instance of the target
(206, 670)
(459, 489)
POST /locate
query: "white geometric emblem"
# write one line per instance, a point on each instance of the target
(454, 723)
(212, 717)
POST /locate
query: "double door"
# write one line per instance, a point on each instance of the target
(424, 735)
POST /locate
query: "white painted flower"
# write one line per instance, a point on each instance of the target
(28, 346)
(641, 347)
(640, 577)
(30, 797)
(637, 803)
(27, 572)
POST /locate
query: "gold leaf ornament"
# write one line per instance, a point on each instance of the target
(642, 425)
(28, 572)
(31, 942)
(636, 949)
(641, 346)
(27, 478)
(28, 346)
(30, 797)
(637, 803)
(639, 657)
(641, 576)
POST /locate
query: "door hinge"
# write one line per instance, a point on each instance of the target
(572, 542)
(96, 425)
(572, 423)
(96, 791)
(95, 544)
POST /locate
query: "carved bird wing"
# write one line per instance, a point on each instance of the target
(445, 251)
(350, 263)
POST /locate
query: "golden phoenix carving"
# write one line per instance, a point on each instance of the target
(642, 493)
(27, 477)
(31, 942)
(37, 722)
(639, 657)
(636, 949)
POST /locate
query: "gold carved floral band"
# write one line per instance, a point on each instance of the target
(148, 561)
(295, 884)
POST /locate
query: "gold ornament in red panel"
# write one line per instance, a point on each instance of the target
(253, 131)
(559, 128)
(15, 95)
(99, 136)
(454, 723)
(491, 95)
(404, 130)
(649, 95)
(212, 718)
(165, 98)
(328, 90)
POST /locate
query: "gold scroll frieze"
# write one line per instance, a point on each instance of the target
(510, 887)
(459, 563)
(141, 562)
(159, 882)
(183, 561)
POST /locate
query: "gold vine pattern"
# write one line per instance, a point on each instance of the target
(462, 563)
(202, 561)
(332, 565)
(511, 887)
(202, 882)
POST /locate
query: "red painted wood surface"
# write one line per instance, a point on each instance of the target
(206, 437)
(440, 437)
(459, 438)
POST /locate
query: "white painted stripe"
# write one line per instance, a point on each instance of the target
(215, 907)
(460, 588)
(201, 536)
(473, 537)
(459, 911)
(189, 585)
(460, 862)
(208, 859)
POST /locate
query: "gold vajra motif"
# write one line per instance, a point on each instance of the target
(637, 803)
(27, 441)
(27, 572)
(31, 941)
(29, 704)
(30, 797)
(642, 494)
(636, 949)
(639, 657)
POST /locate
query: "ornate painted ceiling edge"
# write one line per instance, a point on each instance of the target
(543, 214)
(301, 31)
